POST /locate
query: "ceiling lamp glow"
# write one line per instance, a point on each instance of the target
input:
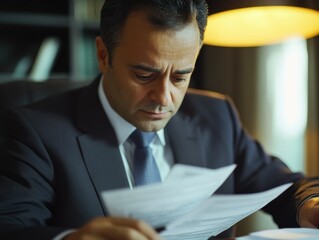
(260, 25)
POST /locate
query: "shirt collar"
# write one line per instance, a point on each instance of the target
(122, 128)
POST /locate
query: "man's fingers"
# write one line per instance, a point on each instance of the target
(139, 226)
(114, 229)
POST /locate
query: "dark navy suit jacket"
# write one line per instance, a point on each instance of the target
(60, 153)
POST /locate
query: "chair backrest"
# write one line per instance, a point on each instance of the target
(17, 93)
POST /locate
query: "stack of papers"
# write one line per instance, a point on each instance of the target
(184, 203)
(286, 234)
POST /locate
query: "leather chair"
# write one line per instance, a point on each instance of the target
(21, 92)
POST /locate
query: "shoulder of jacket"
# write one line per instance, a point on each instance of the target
(207, 93)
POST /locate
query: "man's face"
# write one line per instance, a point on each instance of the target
(150, 72)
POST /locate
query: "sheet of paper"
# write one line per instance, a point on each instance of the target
(286, 234)
(217, 214)
(160, 204)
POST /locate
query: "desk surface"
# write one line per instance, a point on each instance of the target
(285, 234)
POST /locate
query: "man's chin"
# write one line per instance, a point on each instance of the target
(151, 126)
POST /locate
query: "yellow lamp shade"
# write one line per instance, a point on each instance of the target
(262, 25)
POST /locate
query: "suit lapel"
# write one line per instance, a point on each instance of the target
(98, 144)
(184, 138)
(104, 163)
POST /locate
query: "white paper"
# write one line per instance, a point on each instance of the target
(286, 234)
(218, 213)
(160, 204)
(184, 204)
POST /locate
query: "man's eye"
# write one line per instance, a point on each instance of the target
(179, 79)
(143, 77)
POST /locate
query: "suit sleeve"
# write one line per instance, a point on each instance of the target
(257, 171)
(26, 183)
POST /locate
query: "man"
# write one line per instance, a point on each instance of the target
(60, 153)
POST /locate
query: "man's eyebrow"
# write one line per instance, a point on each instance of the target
(156, 70)
(145, 68)
(184, 71)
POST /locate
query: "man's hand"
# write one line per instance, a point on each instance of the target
(114, 228)
(309, 213)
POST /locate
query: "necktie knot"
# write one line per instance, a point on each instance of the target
(142, 139)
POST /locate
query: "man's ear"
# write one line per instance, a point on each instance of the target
(101, 54)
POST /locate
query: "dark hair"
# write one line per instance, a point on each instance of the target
(166, 14)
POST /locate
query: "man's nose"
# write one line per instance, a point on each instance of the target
(161, 92)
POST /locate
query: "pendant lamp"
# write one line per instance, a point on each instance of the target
(249, 23)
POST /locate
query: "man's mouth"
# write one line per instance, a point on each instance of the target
(157, 115)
